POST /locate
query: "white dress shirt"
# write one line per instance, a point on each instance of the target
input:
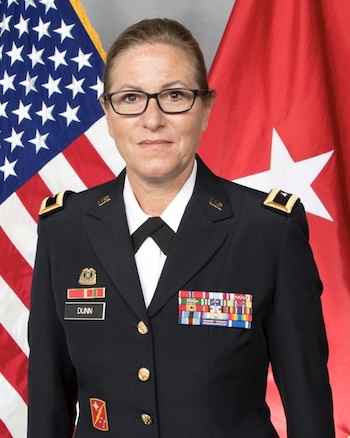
(149, 258)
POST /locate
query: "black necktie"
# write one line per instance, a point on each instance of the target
(156, 228)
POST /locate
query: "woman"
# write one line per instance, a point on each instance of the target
(172, 341)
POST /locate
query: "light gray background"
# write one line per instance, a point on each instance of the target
(205, 18)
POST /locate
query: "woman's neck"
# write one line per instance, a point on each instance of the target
(154, 196)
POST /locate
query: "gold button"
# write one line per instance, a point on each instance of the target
(146, 419)
(143, 374)
(142, 328)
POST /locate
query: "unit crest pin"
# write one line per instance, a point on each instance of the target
(88, 277)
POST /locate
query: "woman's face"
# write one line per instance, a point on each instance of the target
(156, 147)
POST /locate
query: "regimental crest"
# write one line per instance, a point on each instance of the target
(88, 277)
(99, 414)
(225, 309)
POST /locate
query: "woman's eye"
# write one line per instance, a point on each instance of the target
(175, 95)
(130, 98)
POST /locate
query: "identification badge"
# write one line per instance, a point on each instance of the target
(219, 309)
(84, 311)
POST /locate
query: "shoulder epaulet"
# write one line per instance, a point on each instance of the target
(53, 203)
(281, 201)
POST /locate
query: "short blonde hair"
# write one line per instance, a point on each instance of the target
(158, 31)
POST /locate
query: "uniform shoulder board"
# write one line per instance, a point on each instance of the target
(53, 203)
(281, 201)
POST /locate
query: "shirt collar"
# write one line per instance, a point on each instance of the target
(172, 215)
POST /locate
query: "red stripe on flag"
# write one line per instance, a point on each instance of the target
(32, 193)
(14, 269)
(87, 163)
(4, 433)
(13, 363)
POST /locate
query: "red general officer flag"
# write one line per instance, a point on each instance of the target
(281, 119)
(53, 137)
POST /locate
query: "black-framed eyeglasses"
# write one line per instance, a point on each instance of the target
(170, 101)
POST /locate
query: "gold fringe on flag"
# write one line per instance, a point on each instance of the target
(80, 11)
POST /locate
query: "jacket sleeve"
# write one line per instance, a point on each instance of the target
(296, 336)
(52, 381)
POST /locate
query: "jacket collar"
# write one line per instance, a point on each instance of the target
(197, 239)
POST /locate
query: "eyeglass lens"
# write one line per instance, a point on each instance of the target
(135, 102)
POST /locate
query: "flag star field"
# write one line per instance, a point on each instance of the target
(50, 81)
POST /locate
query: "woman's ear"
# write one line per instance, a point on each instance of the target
(208, 104)
(106, 109)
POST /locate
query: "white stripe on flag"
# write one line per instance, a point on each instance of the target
(19, 227)
(13, 409)
(104, 144)
(14, 316)
(59, 175)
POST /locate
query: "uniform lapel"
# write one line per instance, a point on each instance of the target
(198, 237)
(110, 239)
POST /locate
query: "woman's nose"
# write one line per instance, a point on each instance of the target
(153, 117)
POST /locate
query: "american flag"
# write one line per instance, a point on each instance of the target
(53, 136)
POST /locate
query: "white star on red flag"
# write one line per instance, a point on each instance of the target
(281, 120)
(293, 176)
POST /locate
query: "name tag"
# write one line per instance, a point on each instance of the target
(84, 311)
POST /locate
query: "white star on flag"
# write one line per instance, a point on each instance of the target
(15, 139)
(3, 109)
(7, 82)
(22, 112)
(52, 86)
(39, 141)
(29, 3)
(64, 31)
(291, 176)
(22, 26)
(46, 113)
(29, 83)
(42, 29)
(76, 86)
(70, 114)
(8, 168)
(36, 56)
(58, 58)
(82, 59)
(48, 5)
(4, 25)
(98, 87)
(15, 53)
